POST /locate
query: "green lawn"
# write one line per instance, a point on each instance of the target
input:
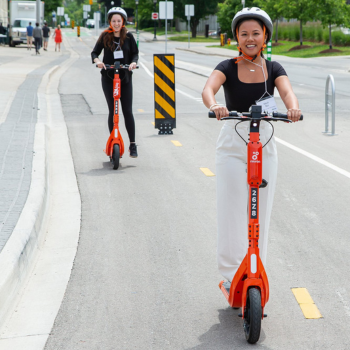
(313, 51)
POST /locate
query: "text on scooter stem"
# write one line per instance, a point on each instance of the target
(253, 203)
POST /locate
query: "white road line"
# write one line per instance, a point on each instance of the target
(178, 90)
(147, 70)
(316, 159)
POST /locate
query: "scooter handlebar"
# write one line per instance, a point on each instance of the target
(122, 66)
(274, 115)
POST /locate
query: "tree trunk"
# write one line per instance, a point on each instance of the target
(301, 32)
(330, 37)
(276, 37)
(194, 25)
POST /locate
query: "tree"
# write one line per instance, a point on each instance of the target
(332, 12)
(302, 10)
(144, 10)
(202, 8)
(274, 9)
(227, 11)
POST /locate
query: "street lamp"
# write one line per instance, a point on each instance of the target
(154, 10)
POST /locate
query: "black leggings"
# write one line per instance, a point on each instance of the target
(126, 102)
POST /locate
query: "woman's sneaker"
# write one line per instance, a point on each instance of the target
(133, 150)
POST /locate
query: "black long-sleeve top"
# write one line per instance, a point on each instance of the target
(130, 51)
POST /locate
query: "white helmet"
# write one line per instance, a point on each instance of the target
(119, 11)
(253, 13)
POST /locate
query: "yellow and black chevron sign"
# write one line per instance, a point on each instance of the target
(164, 92)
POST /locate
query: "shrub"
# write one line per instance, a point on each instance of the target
(312, 31)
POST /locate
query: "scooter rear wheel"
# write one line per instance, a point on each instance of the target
(115, 156)
(252, 316)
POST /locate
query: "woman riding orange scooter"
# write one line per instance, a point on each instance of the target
(118, 45)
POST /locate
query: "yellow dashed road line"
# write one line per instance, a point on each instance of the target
(176, 143)
(306, 303)
(207, 172)
(140, 110)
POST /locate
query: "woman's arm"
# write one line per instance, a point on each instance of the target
(96, 52)
(134, 52)
(211, 87)
(288, 97)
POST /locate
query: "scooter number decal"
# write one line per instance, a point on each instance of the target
(254, 203)
(116, 107)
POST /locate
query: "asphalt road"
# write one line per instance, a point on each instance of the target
(145, 272)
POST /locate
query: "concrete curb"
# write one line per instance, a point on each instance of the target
(20, 249)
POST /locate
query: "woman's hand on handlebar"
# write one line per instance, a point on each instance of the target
(101, 65)
(132, 66)
(220, 112)
(294, 114)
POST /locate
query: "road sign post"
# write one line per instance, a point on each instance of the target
(166, 11)
(164, 93)
(189, 12)
(155, 16)
(269, 50)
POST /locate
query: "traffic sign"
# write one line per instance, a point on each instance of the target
(166, 10)
(154, 15)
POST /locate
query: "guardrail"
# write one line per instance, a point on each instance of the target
(330, 105)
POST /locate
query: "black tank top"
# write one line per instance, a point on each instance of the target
(240, 96)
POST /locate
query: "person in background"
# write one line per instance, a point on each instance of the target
(46, 35)
(29, 36)
(38, 35)
(118, 44)
(58, 37)
(3, 32)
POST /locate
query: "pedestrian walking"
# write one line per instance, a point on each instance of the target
(38, 35)
(29, 36)
(46, 35)
(58, 38)
(2, 32)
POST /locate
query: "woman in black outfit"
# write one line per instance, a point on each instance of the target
(118, 45)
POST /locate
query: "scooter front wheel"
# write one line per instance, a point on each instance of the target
(252, 316)
(116, 156)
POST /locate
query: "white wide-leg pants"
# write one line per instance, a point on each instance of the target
(232, 194)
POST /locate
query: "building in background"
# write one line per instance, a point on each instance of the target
(4, 12)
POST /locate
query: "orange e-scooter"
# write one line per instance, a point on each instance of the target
(115, 144)
(250, 287)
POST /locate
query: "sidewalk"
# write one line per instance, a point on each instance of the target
(28, 130)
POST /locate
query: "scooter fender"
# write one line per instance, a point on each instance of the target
(114, 138)
(240, 285)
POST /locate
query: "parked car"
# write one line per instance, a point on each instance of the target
(90, 23)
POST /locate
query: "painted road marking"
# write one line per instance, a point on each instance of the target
(176, 143)
(207, 172)
(153, 123)
(306, 303)
(140, 110)
(316, 159)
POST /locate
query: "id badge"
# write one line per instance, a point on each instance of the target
(268, 104)
(118, 54)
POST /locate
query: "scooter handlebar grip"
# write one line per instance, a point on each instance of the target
(281, 115)
(212, 114)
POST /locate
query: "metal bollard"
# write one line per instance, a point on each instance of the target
(330, 102)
